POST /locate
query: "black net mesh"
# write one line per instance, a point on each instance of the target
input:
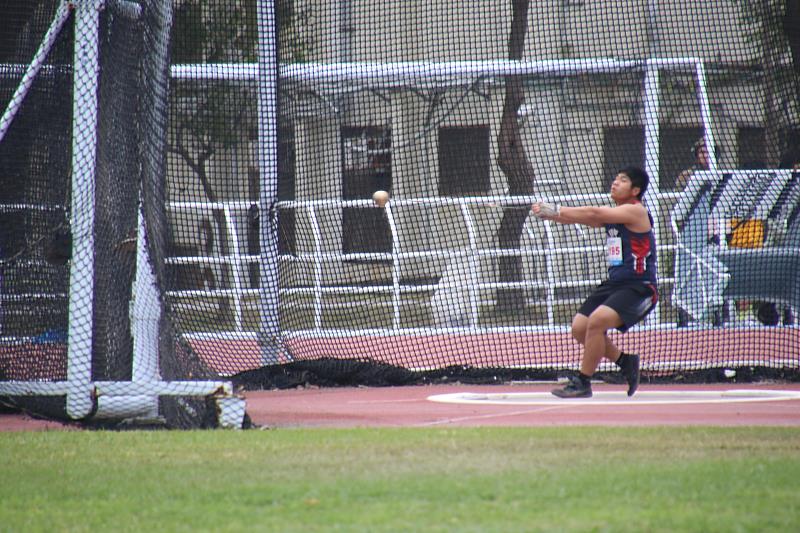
(34, 202)
(44, 225)
(276, 265)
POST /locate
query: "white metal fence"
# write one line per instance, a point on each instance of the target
(539, 241)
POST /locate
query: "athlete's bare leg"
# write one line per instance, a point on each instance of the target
(596, 343)
(580, 324)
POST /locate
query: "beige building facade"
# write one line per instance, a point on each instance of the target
(569, 124)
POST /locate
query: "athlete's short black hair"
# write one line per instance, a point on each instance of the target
(638, 177)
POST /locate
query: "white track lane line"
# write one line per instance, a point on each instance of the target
(444, 421)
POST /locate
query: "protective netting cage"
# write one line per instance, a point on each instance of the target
(198, 197)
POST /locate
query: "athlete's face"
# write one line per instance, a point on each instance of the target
(622, 190)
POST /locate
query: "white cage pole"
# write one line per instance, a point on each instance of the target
(317, 234)
(472, 260)
(84, 155)
(718, 226)
(396, 272)
(269, 330)
(145, 317)
(705, 112)
(652, 145)
(145, 312)
(234, 265)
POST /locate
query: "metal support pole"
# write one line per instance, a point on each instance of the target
(705, 112)
(145, 313)
(84, 155)
(145, 316)
(269, 331)
(396, 248)
(652, 146)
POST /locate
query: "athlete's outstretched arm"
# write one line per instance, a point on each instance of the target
(596, 217)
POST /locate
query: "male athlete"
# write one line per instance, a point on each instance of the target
(629, 293)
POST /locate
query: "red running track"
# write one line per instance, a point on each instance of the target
(409, 407)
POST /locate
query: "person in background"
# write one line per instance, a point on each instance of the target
(701, 162)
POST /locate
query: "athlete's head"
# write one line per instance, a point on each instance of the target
(638, 177)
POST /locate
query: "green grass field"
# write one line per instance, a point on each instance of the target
(483, 479)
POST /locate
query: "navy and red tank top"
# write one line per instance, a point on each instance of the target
(631, 255)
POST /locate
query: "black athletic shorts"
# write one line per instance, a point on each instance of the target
(632, 300)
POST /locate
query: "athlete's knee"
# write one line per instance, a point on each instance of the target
(579, 334)
(579, 328)
(594, 327)
(601, 321)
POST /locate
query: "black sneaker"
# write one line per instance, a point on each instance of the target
(574, 389)
(631, 373)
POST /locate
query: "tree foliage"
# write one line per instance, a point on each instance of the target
(773, 28)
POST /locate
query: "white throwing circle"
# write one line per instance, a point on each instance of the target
(619, 397)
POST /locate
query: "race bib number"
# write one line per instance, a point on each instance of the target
(614, 245)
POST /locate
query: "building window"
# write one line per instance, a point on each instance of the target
(464, 161)
(751, 147)
(367, 167)
(624, 146)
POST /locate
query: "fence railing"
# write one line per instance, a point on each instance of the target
(319, 285)
(237, 261)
